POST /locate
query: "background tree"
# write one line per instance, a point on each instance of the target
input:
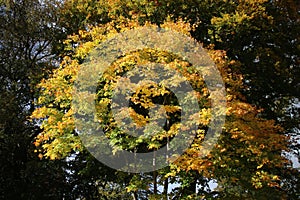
(28, 40)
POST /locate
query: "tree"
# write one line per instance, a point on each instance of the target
(252, 32)
(243, 162)
(29, 38)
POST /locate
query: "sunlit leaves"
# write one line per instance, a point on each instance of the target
(244, 157)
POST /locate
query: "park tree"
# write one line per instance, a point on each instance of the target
(261, 35)
(243, 162)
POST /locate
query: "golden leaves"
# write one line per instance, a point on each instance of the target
(262, 178)
(247, 140)
(180, 26)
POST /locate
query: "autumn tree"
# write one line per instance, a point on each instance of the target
(244, 163)
(254, 32)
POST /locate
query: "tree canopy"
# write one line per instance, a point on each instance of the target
(254, 45)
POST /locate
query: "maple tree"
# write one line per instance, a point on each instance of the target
(244, 162)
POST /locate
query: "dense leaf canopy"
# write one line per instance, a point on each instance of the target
(255, 47)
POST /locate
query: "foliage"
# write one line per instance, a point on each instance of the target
(244, 163)
(255, 45)
(28, 39)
